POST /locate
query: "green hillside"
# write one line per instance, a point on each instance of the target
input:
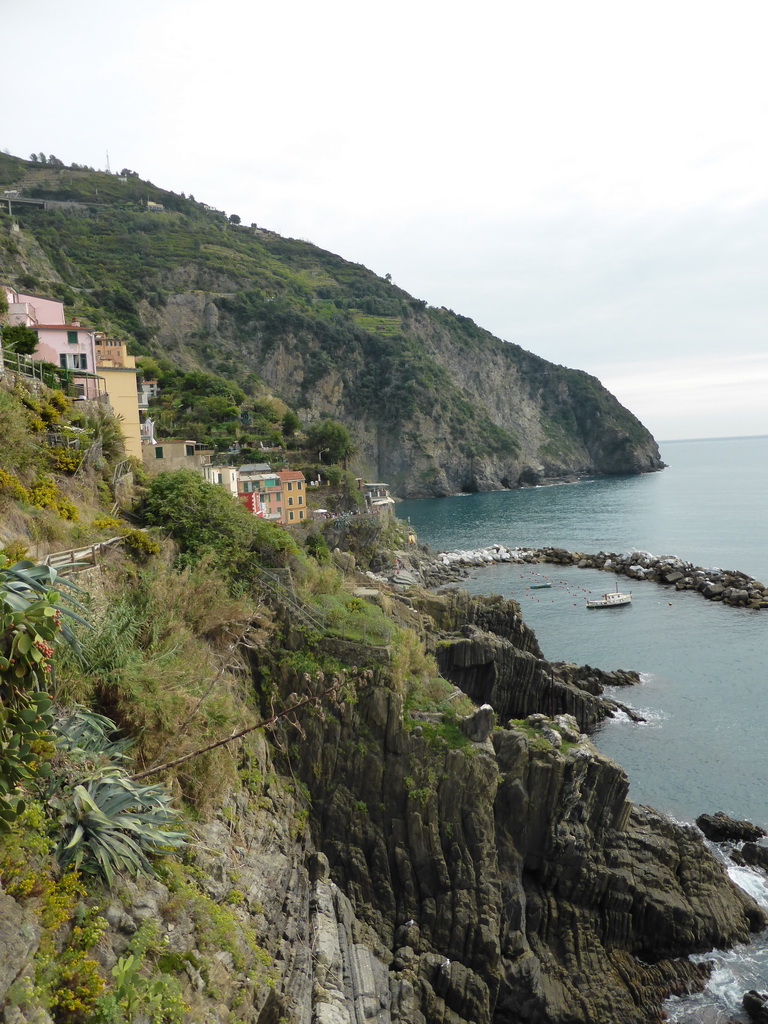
(437, 404)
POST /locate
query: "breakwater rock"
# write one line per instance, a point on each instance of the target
(727, 585)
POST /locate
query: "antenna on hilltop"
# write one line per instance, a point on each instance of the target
(108, 170)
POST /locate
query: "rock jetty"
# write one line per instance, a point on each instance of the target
(727, 585)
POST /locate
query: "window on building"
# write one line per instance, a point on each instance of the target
(289, 486)
(72, 337)
(279, 510)
(301, 514)
(73, 360)
(298, 485)
(158, 452)
(290, 516)
(290, 501)
(299, 500)
(189, 449)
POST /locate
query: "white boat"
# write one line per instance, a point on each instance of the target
(613, 600)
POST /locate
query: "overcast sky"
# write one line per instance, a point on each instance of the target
(587, 179)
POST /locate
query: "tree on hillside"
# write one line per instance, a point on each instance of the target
(291, 423)
(19, 339)
(331, 438)
(196, 385)
(214, 409)
(204, 518)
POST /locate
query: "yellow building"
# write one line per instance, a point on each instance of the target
(119, 372)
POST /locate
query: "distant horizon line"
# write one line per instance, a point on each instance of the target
(737, 437)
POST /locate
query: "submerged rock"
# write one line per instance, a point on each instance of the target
(721, 829)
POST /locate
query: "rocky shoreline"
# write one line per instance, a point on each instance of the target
(727, 585)
(508, 878)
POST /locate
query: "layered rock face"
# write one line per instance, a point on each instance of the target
(508, 880)
(402, 870)
(488, 651)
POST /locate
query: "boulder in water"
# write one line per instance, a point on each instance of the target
(720, 829)
(755, 855)
(756, 1005)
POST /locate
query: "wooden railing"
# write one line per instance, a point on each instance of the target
(75, 559)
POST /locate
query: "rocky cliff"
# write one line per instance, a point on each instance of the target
(382, 863)
(500, 874)
(437, 408)
(506, 880)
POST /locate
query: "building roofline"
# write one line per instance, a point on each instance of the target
(63, 327)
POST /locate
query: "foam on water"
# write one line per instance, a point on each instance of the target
(754, 883)
(653, 718)
(735, 971)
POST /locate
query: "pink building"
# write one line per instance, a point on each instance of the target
(67, 345)
(31, 309)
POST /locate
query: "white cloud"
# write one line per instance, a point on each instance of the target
(724, 395)
(588, 179)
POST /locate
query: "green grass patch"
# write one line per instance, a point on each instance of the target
(352, 618)
(376, 324)
(537, 740)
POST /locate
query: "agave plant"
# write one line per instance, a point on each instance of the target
(111, 825)
(85, 731)
(29, 623)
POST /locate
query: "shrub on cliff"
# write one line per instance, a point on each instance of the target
(30, 626)
(203, 518)
(17, 450)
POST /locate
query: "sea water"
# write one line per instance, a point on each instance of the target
(704, 666)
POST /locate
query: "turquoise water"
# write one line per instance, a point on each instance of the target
(704, 690)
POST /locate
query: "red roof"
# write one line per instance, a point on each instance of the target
(290, 474)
